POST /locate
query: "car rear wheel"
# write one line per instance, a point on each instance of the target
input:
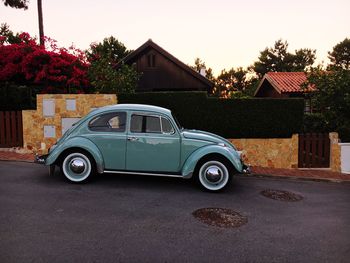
(213, 175)
(77, 167)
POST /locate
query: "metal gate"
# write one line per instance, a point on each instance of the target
(314, 150)
(11, 130)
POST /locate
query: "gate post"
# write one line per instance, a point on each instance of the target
(335, 161)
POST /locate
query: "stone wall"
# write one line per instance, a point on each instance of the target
(61, 107)
(273, 153)
(282, 153)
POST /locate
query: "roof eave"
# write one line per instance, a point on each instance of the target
(150, 43)
(268, 79)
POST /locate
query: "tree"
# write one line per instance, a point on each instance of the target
(278, 59)
(19, 4)
(199, 65)
(106, 79)
(8, 36)
(230, 81)
(107, 72)
(41, 23)
(23, 4)
(110, 48)
(340, 55)
(235, 83)
(332, 98)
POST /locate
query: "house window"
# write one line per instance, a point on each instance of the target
(307, 105)
(151, 60)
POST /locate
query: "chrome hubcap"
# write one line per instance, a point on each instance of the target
(213, 174)
(77, 166)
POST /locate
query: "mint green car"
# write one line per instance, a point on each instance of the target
(146, 140)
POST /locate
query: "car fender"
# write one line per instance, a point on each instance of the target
(77, 142)
(191, 162)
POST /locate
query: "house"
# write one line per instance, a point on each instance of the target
(161, 71)
(284, 85)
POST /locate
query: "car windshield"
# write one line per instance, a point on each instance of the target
(177, 122)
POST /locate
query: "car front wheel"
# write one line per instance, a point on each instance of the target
(213, 175)
(77, 167)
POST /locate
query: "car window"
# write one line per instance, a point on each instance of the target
(113, 122)
(153, 124)
(136, 123)
(166, 126)
(150, 124)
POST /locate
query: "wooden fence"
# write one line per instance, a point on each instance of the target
(11, 130)
(314, 150)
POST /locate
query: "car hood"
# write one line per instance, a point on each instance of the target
(206, 136)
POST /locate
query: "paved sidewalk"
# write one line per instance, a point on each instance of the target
(313, 174)
(10, 155)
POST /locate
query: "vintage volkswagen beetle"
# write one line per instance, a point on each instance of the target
(142, 139)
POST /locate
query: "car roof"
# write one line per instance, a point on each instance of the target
(132, 107)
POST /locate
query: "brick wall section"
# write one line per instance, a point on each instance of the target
(272, 153)
(34, 121)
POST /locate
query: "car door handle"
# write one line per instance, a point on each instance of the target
(132, 139)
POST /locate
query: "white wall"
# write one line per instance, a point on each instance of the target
(345, 157)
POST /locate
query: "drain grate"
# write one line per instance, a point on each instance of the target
(220, 217)
(281, 195)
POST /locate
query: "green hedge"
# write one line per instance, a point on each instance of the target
(230, 118)
(13, 97)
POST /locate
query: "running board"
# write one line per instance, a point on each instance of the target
(143, 173)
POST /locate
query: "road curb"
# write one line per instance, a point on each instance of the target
(332, 180)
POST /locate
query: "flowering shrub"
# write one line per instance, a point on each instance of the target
(56, 69)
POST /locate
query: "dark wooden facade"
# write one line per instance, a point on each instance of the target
(266, 90)
(284, 85)
(161, 71)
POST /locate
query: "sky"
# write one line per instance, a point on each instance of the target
(223, 33)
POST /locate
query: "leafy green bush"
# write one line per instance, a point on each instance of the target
(230, 118)
(332, 98)
(315, 122)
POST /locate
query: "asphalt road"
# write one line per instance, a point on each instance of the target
(119, 218)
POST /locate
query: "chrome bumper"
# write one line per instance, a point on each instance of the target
(246, 169)
(40, 159)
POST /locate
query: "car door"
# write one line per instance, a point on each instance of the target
(153, 144)
(108, 132)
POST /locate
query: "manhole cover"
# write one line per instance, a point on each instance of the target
(281, 195)
(220, 217)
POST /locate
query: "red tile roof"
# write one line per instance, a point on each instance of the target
(287, 82)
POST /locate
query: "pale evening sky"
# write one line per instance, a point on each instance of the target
(223, 33)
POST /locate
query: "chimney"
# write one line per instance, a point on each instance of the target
(203, 72)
